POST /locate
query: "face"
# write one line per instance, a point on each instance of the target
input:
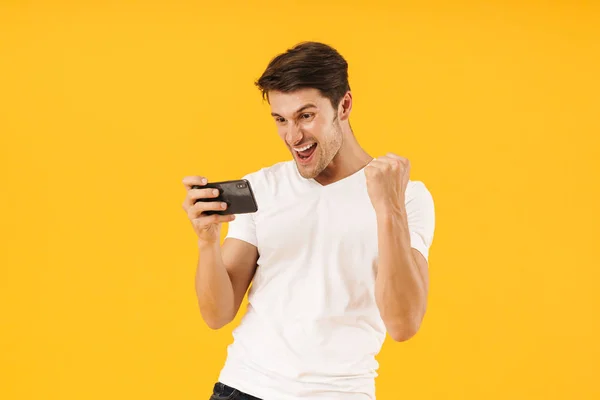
(309, 126)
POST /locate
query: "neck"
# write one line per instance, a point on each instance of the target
(350, 158)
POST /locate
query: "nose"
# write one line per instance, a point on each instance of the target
(293, 135)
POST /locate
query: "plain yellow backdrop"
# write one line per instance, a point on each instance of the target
(106, 106)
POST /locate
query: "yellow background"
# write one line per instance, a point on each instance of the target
(106, 106)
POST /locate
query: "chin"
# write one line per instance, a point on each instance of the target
(306, 173)
(312, 169)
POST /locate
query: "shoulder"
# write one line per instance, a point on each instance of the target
(271, 173)
(417, 188)
(418, 196)
(265, 181)
(421, 216)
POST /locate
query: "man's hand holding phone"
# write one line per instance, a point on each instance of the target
(208, 205)
(207, 227)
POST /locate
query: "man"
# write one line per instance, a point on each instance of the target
(337, 252)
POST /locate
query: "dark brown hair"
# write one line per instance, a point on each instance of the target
(307, 65)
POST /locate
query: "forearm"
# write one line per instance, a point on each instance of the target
(399, 288)
(213, 287)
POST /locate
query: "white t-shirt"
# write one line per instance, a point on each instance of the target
(312, 328)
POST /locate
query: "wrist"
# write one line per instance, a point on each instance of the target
(204, 245)
(391, 212)
(393, 223)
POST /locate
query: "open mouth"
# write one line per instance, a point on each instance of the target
(305, 153)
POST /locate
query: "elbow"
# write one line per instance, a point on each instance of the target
(215, 320)
(403, 330)
(402, 335)
(216, 323)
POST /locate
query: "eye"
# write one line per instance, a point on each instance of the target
(279, 120)
(306, 116)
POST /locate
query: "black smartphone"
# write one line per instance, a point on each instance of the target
(237, 194)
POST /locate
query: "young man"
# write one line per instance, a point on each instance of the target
(337, 253)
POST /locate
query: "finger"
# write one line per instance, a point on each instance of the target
(202, 206)
(383, 163)
(374, 168)
(395, 161)
(190, 181)
(403, 160)
(195, 194)
(377, 163)
(390, 157)
(214, 219)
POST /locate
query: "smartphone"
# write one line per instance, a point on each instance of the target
(237, 194)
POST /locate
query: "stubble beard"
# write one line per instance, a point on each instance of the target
(326, 152)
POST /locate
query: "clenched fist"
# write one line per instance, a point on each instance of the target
(387, 178)
(207, 227)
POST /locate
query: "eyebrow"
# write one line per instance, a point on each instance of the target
(298, 111)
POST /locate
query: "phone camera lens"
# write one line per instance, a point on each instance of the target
(241, 185)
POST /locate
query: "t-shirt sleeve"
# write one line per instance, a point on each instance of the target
(421, 218)
(243, 226)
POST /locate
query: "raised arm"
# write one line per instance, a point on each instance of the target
(224, 272)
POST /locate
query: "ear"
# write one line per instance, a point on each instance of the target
(345, 106)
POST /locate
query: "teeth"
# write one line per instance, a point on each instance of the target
(305, 147)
